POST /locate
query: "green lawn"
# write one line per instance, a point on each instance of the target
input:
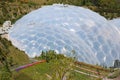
(44, 71)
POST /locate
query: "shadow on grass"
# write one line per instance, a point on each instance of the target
(22, 76)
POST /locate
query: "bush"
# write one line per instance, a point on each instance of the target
(50, 55)
(115, 74)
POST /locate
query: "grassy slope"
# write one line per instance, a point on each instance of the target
(44, 70)
(14, 55)
(40, 72)
(19, 57)
(92, 69)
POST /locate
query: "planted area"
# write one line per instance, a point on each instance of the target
(57, 67)
(115, 74)
(9, 58)
(16, 9)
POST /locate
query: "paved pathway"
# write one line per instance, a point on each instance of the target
(86, 73)
(87, 70)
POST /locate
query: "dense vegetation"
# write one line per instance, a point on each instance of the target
(16, 9)
(13, 11)
(108, 8)
(115, 74)
(58, 67)
(10, 57)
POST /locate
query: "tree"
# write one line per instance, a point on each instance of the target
(61, 65)
(107, 3)
(62, 68)
(48, 55)
(96, 2)
(3, 59)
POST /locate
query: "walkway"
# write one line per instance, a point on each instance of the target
(86, 73)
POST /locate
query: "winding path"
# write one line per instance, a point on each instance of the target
(86, 73)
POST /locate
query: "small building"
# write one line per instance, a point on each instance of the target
(117, 63)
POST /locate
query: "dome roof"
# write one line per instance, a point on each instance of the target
(65, 28)
(116, 22)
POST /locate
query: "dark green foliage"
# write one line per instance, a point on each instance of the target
(108, 8)
(3, 52)
(15, 10)
(50, 55)
(5, 74)
(10, 61)
(10, 56)
(3, 60)
(8, 0)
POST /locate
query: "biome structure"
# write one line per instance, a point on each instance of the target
(70, 30)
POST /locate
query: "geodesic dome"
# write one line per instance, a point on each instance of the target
(115, 22)
(65, 28)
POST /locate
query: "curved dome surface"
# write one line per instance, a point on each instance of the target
(65, 28)
(116, 22)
